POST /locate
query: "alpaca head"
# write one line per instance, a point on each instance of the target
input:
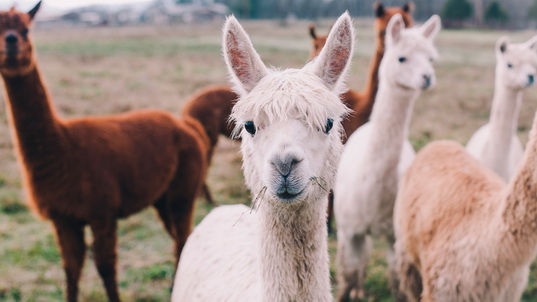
(289, 120)
(516, 63)
(407, 62)
(383, 15)
(318, 42)
(16, 56)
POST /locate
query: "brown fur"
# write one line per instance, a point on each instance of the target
(212, 107)
(92, 171)
(457, 221)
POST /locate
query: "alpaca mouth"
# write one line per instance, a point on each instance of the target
(287, 196)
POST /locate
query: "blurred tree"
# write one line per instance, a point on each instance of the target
(532, 13)
(457, 10)
(496, 14)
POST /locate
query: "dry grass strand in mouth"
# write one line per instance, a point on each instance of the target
(320, 182)
(255, 204)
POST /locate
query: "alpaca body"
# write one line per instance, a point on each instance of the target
(496, 144)
(91, 171)
(212, 107)
(377, 154)
(379, 189)
(290, 127)
(232, 231)
(453, 233)
(361, 102)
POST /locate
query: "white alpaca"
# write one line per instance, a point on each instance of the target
(291, 142)
(377, 153)
(462, 233)
(496, 144)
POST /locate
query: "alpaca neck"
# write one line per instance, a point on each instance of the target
(34, 121)
(389, 125)
(294, 251)
(503, 122)
(520, 210)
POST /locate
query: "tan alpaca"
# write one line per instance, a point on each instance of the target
(463, 234)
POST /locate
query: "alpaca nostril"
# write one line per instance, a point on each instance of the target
(531, 79)
(11, 38)
(426, 81)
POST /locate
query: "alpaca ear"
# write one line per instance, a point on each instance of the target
(409, 7)
(502, 43)
(243, 62)
(332, 63)
(34, 10)
(394, 29)
(431, 27)
(312, 31)
(532, 43)
(379, 9)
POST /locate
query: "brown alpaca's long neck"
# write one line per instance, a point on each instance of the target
(372, 82)
(32, 116)
(520, 211)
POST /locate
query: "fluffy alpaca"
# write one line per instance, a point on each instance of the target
(289, 122)
(361, 103)
(212, 107)
(462, 233)
(92, 171)
(378, 152)
(496, 144)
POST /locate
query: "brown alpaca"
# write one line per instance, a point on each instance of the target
(92, 171)
(212, 107)
(463, 234)
(362, 102)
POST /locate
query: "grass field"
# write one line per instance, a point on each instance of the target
(98, 71)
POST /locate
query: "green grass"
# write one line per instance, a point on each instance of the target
(99, 71)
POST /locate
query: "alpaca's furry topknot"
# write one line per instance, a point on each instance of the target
(299, 95)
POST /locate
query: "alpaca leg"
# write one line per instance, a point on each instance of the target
(70, 237)
(105, 251)
(393, 273)
(207, 194)
(182, 210)
(409, 278)
(163, 210)
(351, 261)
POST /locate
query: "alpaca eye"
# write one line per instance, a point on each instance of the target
(509, 65)
(250, 127)
(24, 32)
(329, 125)
(402, 59)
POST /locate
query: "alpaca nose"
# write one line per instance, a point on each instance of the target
(11, 38)
(530, 79)
(285, 164)
(426, 81)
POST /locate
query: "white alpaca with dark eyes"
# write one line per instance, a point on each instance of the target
(289, 124)
(376, 154)
(496, 144)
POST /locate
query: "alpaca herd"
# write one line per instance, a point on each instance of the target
(460, 223)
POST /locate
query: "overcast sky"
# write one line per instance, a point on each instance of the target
(25, 5)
